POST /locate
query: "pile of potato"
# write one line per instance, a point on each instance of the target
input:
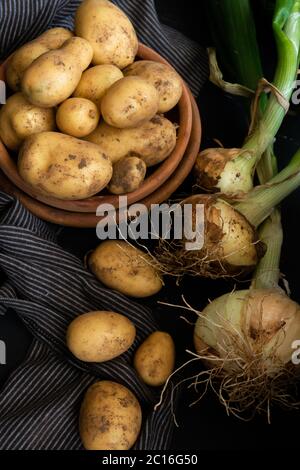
(110, 415)
(84, 115)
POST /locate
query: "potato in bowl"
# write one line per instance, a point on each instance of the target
(62, 166)
(179, 128)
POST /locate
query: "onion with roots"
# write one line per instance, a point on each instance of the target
(231, 244)
(245, 339)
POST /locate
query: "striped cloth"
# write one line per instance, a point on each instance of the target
(48, 287)
(23, 20)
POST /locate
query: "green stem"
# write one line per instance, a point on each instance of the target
(259, 203)
(267, 273)
(286, 25)
(267, 166)
(234, 33)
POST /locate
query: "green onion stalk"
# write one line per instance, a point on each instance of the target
(233, 32)
(231, 243)
(231, 170)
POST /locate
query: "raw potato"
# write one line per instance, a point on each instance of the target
(110, 417)
(54, 76)
(19, 119)
(109, 31)
(61, 166)
(77, 117)
(125, 268)
(96, 81)
(155, 359)
(100, 336)
(129, 102)
(153, 142)
(128, 175)
(165, 79)
(23, 57)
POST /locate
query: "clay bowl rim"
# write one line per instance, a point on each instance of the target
(160, 175)
(88, 220)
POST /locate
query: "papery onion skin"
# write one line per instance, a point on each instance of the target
(219, 170)
(231, 243)
(231, 246)
(265, 322)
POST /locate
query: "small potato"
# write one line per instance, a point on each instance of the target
(128, 175)
(61, 166)
(155, 359)
(54, 76)
(153, 141)
(100, 336)
(96, 81)
(19, 119)
(23, 57)
(110, 417)
(108, 30)
(125, 268)
(129, 103)
(77, 117)
(165, 79)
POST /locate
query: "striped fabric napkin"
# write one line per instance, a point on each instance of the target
(48, 286)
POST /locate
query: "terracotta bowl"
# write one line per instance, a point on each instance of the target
(75, 219)
(161, 173)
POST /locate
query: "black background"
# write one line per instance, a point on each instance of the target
(206, 425)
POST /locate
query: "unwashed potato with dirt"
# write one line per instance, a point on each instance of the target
(77, 117)
(19, 119)
(109, 31)
(54, 76)
(153, 141)
(110, 417)
(165, 79)
(61, 166)
(125, 268)
(129, 102)
(23, 57)
(128, 175)
(100, 336)
(96, 81)
(155, 359)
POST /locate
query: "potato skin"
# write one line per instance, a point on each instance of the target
(109, 31)
(23, 57)
(100, 336)
(153, 141)
(110, 417)
(77, 117)
(128, 175)
(54, 76)
(125, 268)
(61, 166)
(129, 103)
(165, 79)
(19, 119)
(96, 81)
(155, 359)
